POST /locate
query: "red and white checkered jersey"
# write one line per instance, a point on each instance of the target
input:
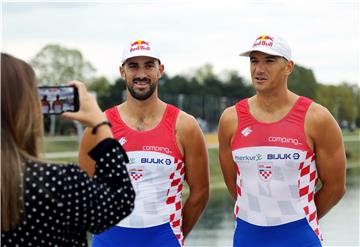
(276, 170)
(157, 171)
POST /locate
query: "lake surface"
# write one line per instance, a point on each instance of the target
(340, 227)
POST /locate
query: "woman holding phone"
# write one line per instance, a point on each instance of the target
(45, 204)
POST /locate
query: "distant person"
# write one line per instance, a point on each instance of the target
(69, 104)
(165, 147)
(57, 105)
(273, 148)
(45, 105)
(45, 204)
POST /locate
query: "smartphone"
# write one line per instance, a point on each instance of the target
(58, 99)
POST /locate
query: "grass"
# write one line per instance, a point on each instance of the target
(214, 166)
(54, 145)
(63, 146)
(353, 153)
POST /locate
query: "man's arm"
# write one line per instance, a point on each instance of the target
(191, 139)
(227, 128)
(85, 161)
(328, 144)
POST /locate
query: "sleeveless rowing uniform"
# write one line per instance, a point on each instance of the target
(276, 179)
(157, 171)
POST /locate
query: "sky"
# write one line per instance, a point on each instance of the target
(323, 34)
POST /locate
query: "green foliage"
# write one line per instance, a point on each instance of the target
(340, 101)
(114, 94)
(356, 91)
(302, 82)
(56, 65)
(176, 85)
(204, 73)
(201, 93)
(235, 87)
(99, 85)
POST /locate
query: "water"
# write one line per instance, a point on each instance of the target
(340, 227)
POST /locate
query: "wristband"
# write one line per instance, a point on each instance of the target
(100, 124)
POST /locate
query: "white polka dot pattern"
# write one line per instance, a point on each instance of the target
(62, 203)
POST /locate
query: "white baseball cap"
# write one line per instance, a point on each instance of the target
(272, 45)
(139, 48)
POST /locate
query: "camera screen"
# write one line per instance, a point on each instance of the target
(55, 100)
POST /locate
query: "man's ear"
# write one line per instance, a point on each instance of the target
(290, 67)
(161, 70)
(122, 72)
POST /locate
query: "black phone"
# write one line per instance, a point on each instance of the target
(58, 99)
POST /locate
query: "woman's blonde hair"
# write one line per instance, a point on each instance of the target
(21, 128)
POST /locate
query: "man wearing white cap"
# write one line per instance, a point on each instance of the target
(165, 147)
(273, 149)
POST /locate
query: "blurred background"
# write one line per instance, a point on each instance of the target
(199, 43)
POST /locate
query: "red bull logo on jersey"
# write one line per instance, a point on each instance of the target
(136, 173)
(263, 40)
(139, 45)
(265, 170)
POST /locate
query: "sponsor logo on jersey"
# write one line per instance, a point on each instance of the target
(122, 141)
(157, 149)
(136, 173)
(132, 161)
(243, 158)
(246, 131)
(155, 161)
(265, 170)
(284, 140)
(283, 156)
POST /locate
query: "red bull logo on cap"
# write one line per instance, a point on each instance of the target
(263, 40)
(139, 45)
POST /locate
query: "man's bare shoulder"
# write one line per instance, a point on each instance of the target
(229, 115)
(319, 122)
(318, 114)
(186, 122)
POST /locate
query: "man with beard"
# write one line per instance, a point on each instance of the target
(165, 147)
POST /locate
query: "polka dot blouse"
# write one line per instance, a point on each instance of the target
(61, 203)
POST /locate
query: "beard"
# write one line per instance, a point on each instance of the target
(141, 95)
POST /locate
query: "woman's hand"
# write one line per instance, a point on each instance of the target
(89, 113)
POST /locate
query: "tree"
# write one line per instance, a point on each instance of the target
(56, 65)
(302, 81)
(357, 104)
(348, 109)
(175, 85)
(340, 101)
(114, 95)
(204, 73)
(236, 88)
(99, 85)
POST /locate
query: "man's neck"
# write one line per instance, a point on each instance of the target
(271, 108)
(271, 102)
(142, 107)
(142, 114)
